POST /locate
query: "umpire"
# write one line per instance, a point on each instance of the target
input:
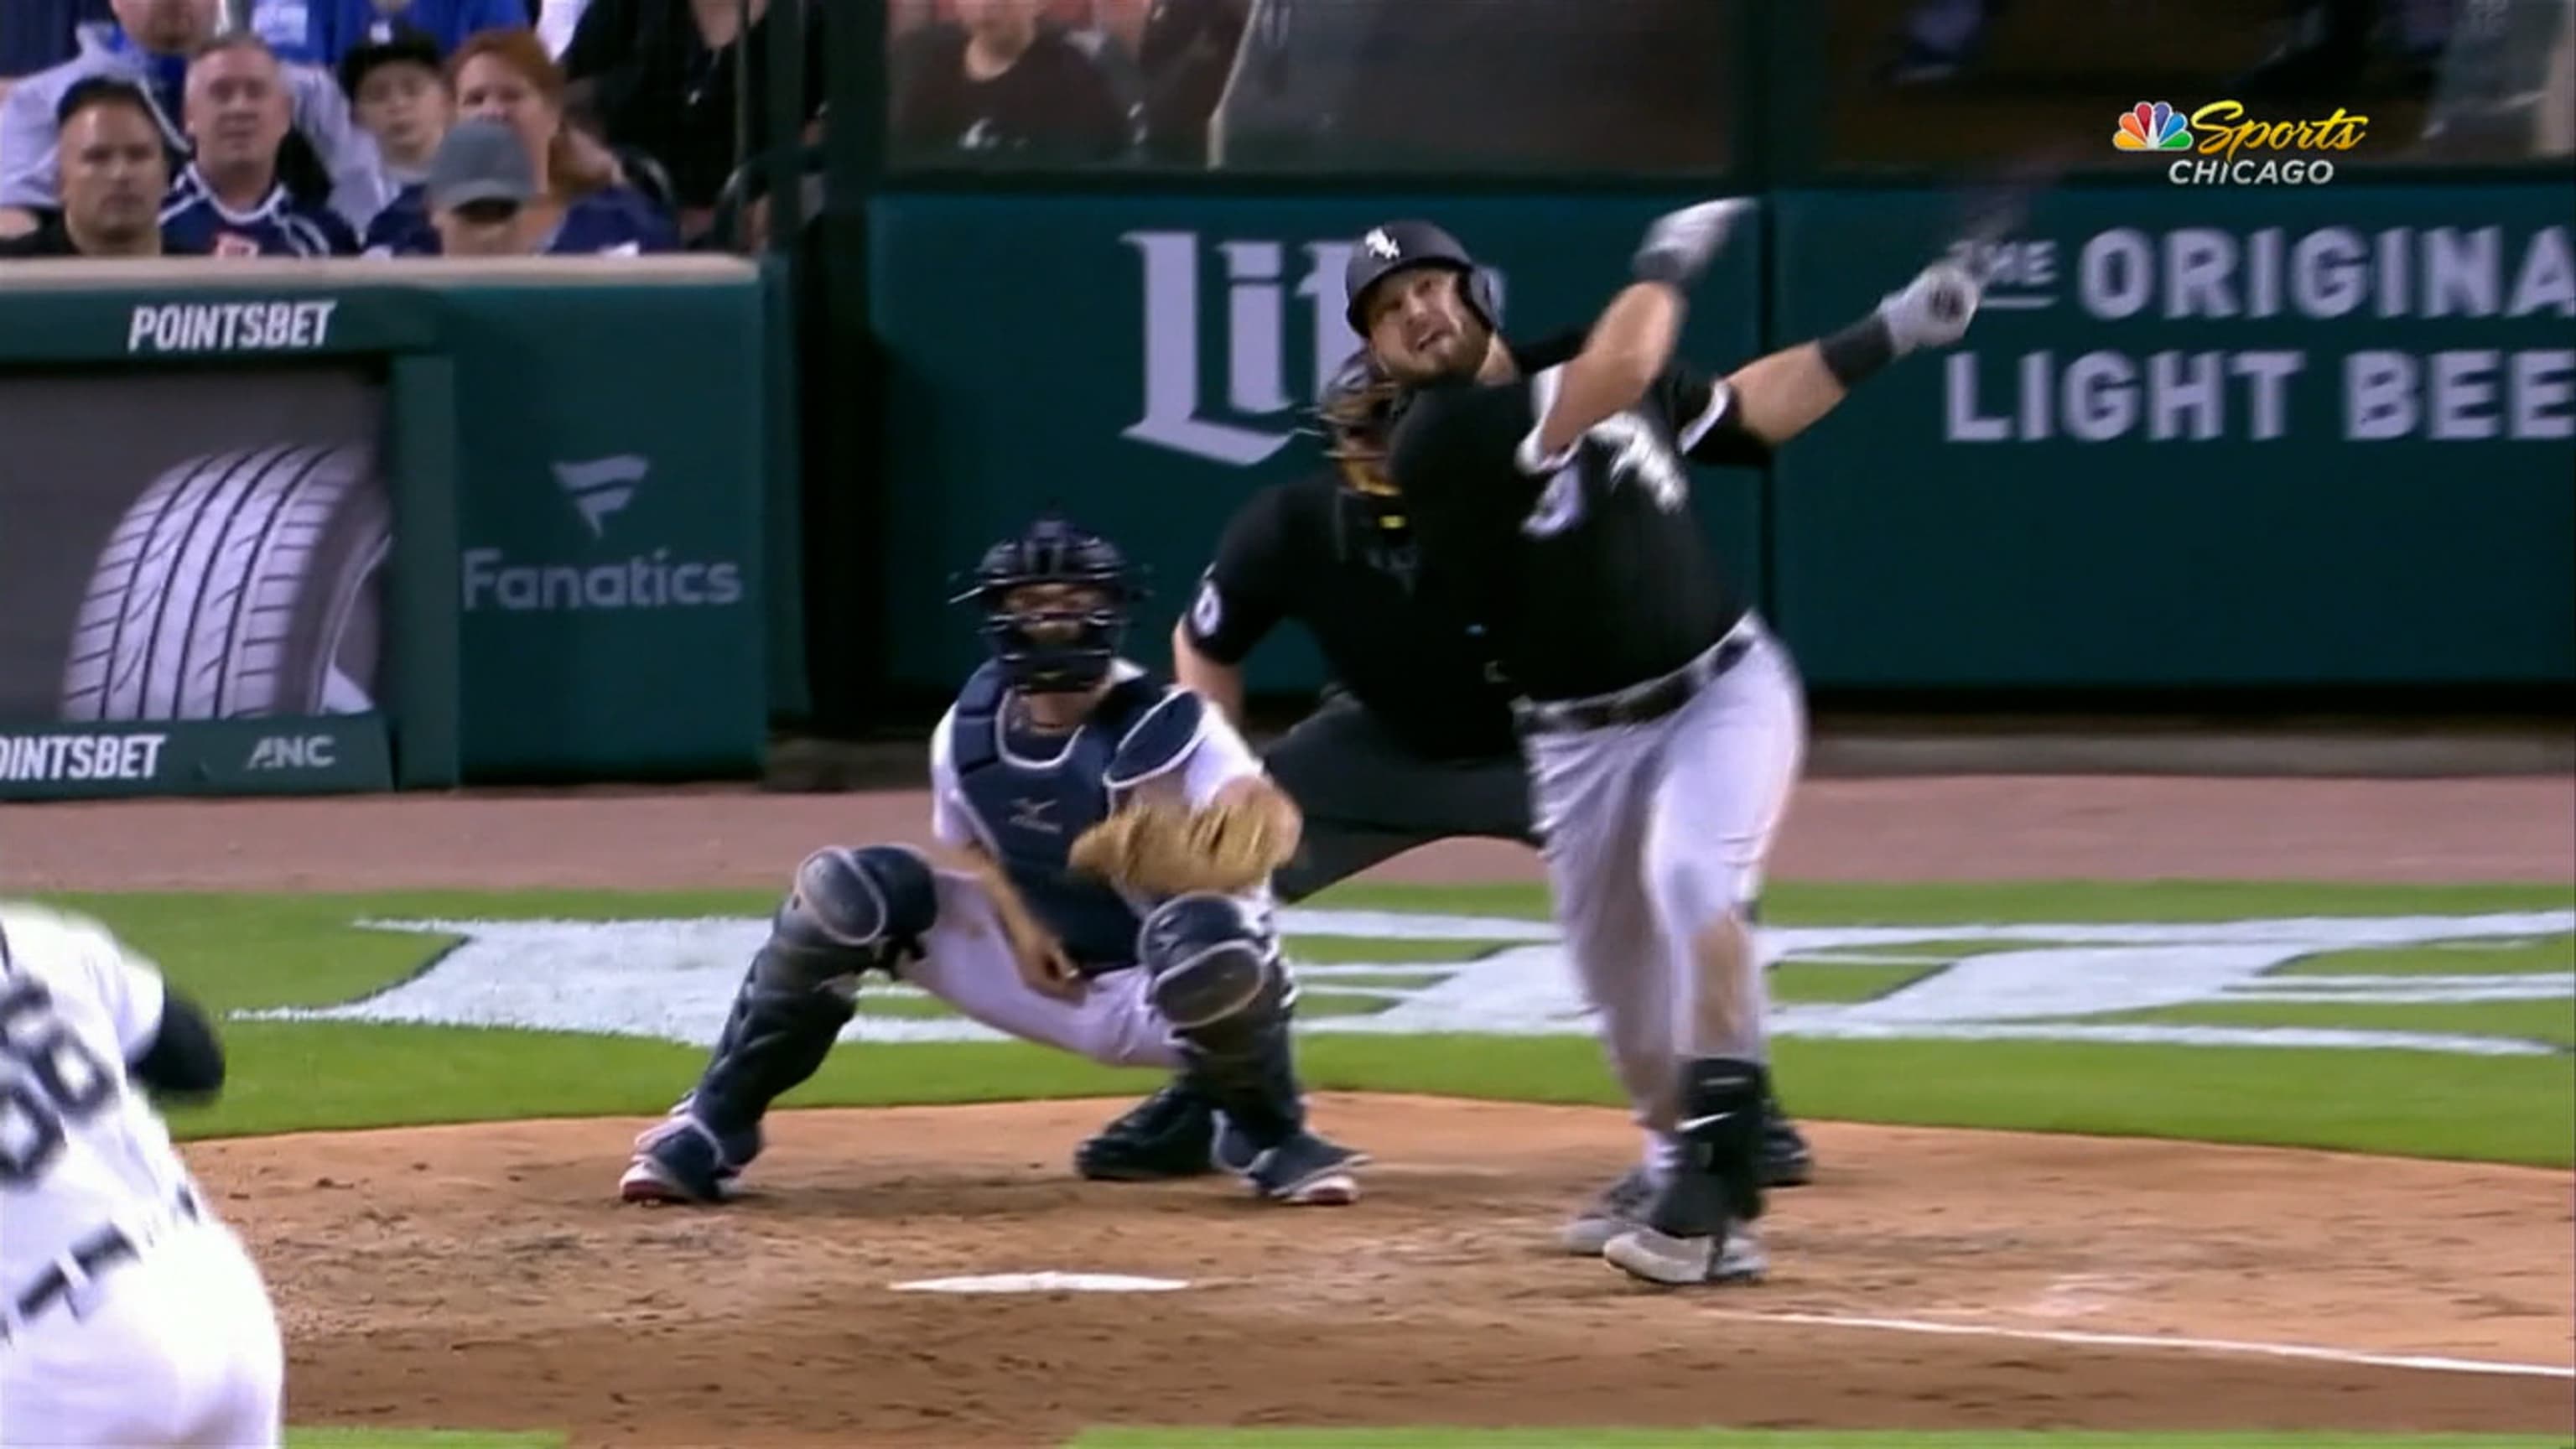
(1412, 741)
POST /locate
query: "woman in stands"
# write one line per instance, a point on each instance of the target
(586, 203)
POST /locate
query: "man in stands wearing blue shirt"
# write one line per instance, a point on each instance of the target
(149, 45)
(229, 201)
(323, 32)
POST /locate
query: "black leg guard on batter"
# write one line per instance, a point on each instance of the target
(850, 912)
(1218, 982)
(1720, 1178)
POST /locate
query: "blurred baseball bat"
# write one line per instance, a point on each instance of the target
(1998, 204)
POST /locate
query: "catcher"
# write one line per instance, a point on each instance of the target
(1112, 898)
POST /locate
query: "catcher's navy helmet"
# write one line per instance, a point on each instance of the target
(1400, 246)
(1047, 650)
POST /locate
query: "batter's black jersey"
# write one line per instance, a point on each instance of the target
(1588, 569)
(1307, 551)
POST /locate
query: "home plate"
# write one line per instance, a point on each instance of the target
(1043, 1283)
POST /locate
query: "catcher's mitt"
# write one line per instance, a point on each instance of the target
(1162, 847)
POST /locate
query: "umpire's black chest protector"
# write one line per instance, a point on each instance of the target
(1031, 807)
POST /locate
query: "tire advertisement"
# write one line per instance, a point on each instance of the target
(184, 548)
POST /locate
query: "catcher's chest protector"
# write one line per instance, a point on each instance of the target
(1032, 796)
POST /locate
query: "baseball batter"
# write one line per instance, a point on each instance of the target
(131, 1314)
(1412, 741)
(1662, 726)
(1117, 840)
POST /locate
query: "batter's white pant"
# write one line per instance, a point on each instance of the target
(1653, 831)
(178, 1347)
(967, 963)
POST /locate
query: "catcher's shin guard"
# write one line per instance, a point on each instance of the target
(850, 912)
(1218, 983)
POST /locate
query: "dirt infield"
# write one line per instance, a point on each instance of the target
(482, 1276)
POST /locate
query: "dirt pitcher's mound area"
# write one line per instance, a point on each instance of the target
(484, 1276)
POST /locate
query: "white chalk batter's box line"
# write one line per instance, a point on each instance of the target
(2073, 1338)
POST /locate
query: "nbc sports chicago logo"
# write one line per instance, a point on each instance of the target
(2219, 145)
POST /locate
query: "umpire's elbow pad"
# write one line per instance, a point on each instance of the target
(184, 1058)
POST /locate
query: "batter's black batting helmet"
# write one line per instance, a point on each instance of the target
(1401, 246)
(1046, 650)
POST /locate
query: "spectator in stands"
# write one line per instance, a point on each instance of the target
(1185, 55)
(506, 76)
(660, 76)
(114, 170)
(400, 94)
(1001, 87)
(229, 201)
(149, 45)
(323, 32)
(486, 199)
(35, 34)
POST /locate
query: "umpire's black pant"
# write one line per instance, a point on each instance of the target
(1368, 797)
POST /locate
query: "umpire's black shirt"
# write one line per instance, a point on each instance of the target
(1588, 568)
(1309, 550)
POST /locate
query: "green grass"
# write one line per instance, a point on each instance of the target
(2555, 953)
(247, 951)
(2549, 1021)
(1779, 1440)
(417, 1439)
(1803, 982)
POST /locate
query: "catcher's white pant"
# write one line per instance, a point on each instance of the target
(176, 1347)
(967, 963)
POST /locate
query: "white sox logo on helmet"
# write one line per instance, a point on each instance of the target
(1381, 245)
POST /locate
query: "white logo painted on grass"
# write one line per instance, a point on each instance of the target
(675, 979)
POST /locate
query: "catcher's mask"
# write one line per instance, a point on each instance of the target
(1057, 599)
(1357, 415)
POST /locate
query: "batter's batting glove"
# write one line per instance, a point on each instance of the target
(1681, 244)
(1934, 309)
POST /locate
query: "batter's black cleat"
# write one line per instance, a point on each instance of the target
(1699, 1229)
(1787, 1160)
(1170, 1134)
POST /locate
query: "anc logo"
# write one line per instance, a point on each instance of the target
(2156, 127)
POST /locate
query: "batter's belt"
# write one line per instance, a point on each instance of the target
(1638, 703)
(82, 1263)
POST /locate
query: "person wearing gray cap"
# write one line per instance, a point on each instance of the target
(483, 201)
(482, 194)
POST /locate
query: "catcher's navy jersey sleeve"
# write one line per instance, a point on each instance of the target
(1247, 590)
